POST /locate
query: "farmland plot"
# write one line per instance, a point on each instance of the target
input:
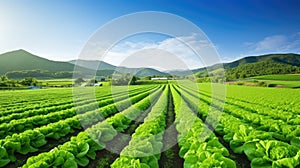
(257, 127)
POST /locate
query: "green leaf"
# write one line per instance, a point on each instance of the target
(278, 152)
(82, 161)
(286, 162)
(237, 145)
(3, 153)
(190, 158)
(70, 163)
(145, 147)
(83, 149)
(27, 149)
(92, 155)
(153, 163)
(58, 161)
(228, 163)
(203, 155)
(296, 142)
(107, 133)
(4, 162)
(253, 150)
(53, 135)
(38, 143)
(12, 146)
(144, 165)
(40, 164)
(260, 163)
(183, 151)
(277, 135)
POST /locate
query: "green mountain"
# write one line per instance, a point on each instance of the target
(255, 66)
(22, 60)
(290, 59)
(20, 64)
(150, 72)
(93, 64)
(105, 68)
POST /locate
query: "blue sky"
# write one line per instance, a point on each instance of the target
(58, 30)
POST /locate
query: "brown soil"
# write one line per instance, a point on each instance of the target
(170, 157)
(114, 147)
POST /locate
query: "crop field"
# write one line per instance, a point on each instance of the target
(280, 77)
(150, 126)
(280, 80)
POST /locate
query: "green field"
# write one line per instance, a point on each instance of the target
(56, 82)
(62, 82)
(138, 126)
(281, 77)
(289, 84)
(281, 80)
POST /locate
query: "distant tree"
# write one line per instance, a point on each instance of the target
(3, 78)
(235, 75)
(260, 68)
(63, 74)
(29, 73)
(133, 80)
(29, 82)
(125, 79)
(147, 78)
(243, 75)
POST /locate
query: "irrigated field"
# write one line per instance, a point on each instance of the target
(258, 127)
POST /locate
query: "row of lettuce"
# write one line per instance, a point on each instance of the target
(282, 125)
(198, 145)
(34, 136)
(265, 139)
(60, 101)
(144, 149)
(83, 147)
(23, 101)
(35, 118)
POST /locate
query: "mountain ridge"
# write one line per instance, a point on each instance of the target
(268, 63)
(25, 61)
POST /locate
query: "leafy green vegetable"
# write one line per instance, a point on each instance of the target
(4, 160)
(80, 148)
(145, 146)
(268, 153)
(198, 145)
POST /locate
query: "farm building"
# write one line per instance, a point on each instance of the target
(159, 78)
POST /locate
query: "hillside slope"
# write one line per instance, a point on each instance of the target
(93, 64)
(22, 60)
(290, 59)
(150, 72)
(103, 66)
(255, 66)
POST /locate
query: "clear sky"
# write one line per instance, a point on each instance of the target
(58, 29)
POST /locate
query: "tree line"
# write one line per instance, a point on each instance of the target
(246, 71)
(39, 74)
(259, 69)
(6, 82)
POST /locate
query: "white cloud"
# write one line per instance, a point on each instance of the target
(183, 48)
(276, 43)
